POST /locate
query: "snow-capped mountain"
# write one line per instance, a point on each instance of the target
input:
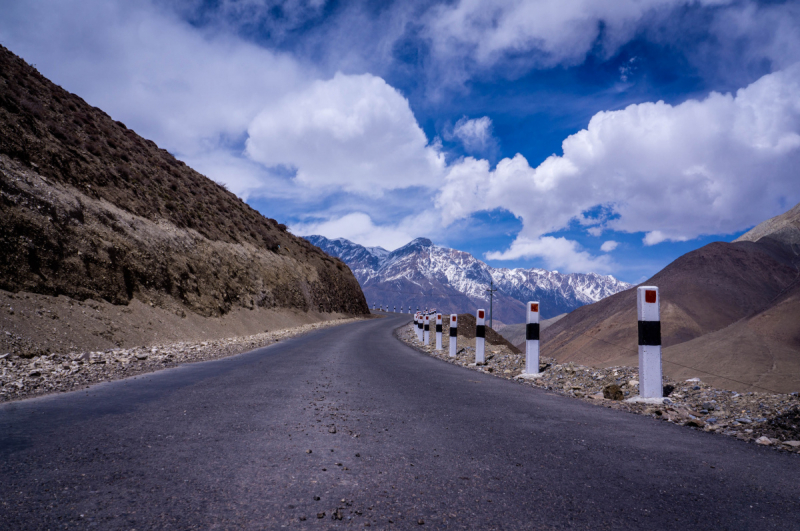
(421, 274)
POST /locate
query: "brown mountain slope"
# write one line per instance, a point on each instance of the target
(756, 353)
(90, 210)
(515, 333)
(784, 228)
(703, 292)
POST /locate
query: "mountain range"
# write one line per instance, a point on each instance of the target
(421, 274)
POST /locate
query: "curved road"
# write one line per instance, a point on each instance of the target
(418, 443)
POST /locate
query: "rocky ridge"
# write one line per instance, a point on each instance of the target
(426, 275)
(767, 419)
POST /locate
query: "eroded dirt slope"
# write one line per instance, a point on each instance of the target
(89, 210)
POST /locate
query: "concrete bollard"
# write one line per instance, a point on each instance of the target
(419, 327)
(438, 331)
(426, 330)
(532, 338)
(453, 334)
(650, 375)
(480, 341)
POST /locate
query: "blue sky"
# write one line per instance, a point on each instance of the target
(578, 135)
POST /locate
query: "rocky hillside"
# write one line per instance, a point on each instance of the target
(730, 315)
(91, 210)
(421, 274)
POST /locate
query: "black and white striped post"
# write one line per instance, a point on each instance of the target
(453, 334)
(532, 338)
(438, 331)
(426, 335)
(395, 309)
(419, 327)
(650, 375)
(480, 338)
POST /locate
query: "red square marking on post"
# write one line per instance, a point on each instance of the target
(480, 314)
(438, 316)
(534, 307)
(454, 318)
(650, 295)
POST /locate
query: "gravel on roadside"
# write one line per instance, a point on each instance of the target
(58, 372)
(764, 418)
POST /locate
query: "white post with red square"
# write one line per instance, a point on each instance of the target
(453, 334)
(426, 330)
(532, 338)
(480, 338)
(649, 314)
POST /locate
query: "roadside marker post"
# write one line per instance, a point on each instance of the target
(453, 334)
(419, 327)
(532, 338)
(438, 331)
(426, 331)
(395, 310)
(480, 338)
(650, 372)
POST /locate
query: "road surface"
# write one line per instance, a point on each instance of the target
(418, 443)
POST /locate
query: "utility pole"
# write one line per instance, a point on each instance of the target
(491, 291)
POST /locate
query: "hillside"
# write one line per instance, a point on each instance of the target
(421, 274)
(730, 315)
(515, 333)
(93, 211)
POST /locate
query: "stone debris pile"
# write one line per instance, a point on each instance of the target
(26, 377)
(768, 419)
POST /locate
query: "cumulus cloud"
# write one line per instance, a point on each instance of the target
(711, 166)
(475, 134)
(609, 246)
(557, 253)
(353, 132)
(359, 227)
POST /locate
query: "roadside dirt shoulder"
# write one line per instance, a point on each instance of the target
(25, 378)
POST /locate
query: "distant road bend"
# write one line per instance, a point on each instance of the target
(398, 440)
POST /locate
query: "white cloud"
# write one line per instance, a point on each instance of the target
(188, 90)
(714, 166)
(609, 246)
(353, 132)
(544, 33)
(359, 227)
(558, 253)
(476, 134)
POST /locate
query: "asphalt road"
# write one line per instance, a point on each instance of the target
(418, 443)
